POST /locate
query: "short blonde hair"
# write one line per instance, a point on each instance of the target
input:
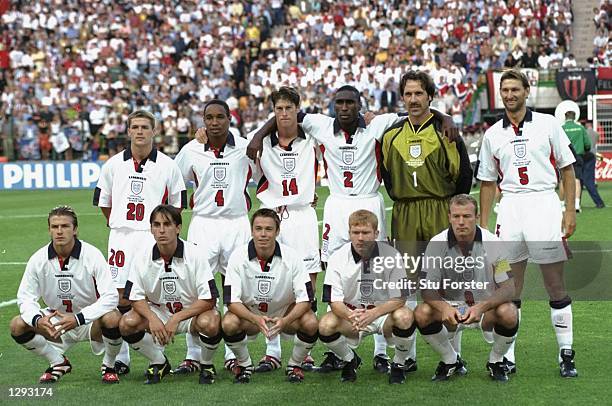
(363, 217)
(141, 114)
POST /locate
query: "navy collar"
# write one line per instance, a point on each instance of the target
(178, 253)
(253, 252)
(127, 154)
(360, 123)
(75, 253)
(452, 240)
(528, 117)
(274, 138)
(229, 141)
(357, 257)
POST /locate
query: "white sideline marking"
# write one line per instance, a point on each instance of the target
(8, 303)
(13, 263)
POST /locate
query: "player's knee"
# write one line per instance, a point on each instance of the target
(328, 324)
(423, 314)
(129, 323)
(18, 326)
(506, 315)
(208, 323)
(230, 324)
(309, 323)
(111, 319)
(402, 318)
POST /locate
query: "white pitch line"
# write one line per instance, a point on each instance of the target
(8, 303)
(13, 263)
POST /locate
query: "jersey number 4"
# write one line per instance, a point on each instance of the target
(290, 188)
(135, 211)
(523, 177)
(219, 198)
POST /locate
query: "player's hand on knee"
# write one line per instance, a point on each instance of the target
(158, 331)
(171, 327)
(201, 135)
(473, 315)
(451, 316)
(278, 326)
(44, 324)
(65, 323)
(262, 324)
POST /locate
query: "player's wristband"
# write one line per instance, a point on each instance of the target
(80, 319)
(35, 320)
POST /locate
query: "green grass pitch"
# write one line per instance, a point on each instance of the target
(23, 227)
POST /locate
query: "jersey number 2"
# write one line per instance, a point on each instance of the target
(348, 179)
(523, 177)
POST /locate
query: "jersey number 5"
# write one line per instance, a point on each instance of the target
(523, 177)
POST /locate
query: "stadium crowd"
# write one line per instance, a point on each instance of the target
(71, 71)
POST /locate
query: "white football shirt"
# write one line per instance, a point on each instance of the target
(81, 284)
(352, 161)
(364, 284)
(526, 157)
(220, 177)
(133, 189)
(267, 287)
(288, 174)
(174, 285)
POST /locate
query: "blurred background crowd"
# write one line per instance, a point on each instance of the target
(71, 71)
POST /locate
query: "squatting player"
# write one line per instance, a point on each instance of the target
(482, 296)
(71, 277)
(268, 291)
(173, 291)
(525, 149)
(365, 300)
(131, 185)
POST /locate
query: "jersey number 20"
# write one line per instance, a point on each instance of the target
(135, 211)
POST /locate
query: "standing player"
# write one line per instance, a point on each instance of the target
(131, 185)
(268, 291)
(172, 291)
(421, 169)
(525, 149)
(485, 302)
(366, 300)
(220, 171)
(286, 184)
(351, 152)
(581, 143)
(72, 279)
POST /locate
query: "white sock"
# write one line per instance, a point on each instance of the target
(193, 347)
(273, 347)
(501, 344)
(562, 323)
(300, 349)
(40, 346)
(242, 352)
(207, 347)
(456, 341)
(124, 354)
(380, 345)
(148, 349)
(577, 202)
(403, 348)
(229, 354)
(341, 348)
(441, 344)
(112, 346)
(510, 353)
